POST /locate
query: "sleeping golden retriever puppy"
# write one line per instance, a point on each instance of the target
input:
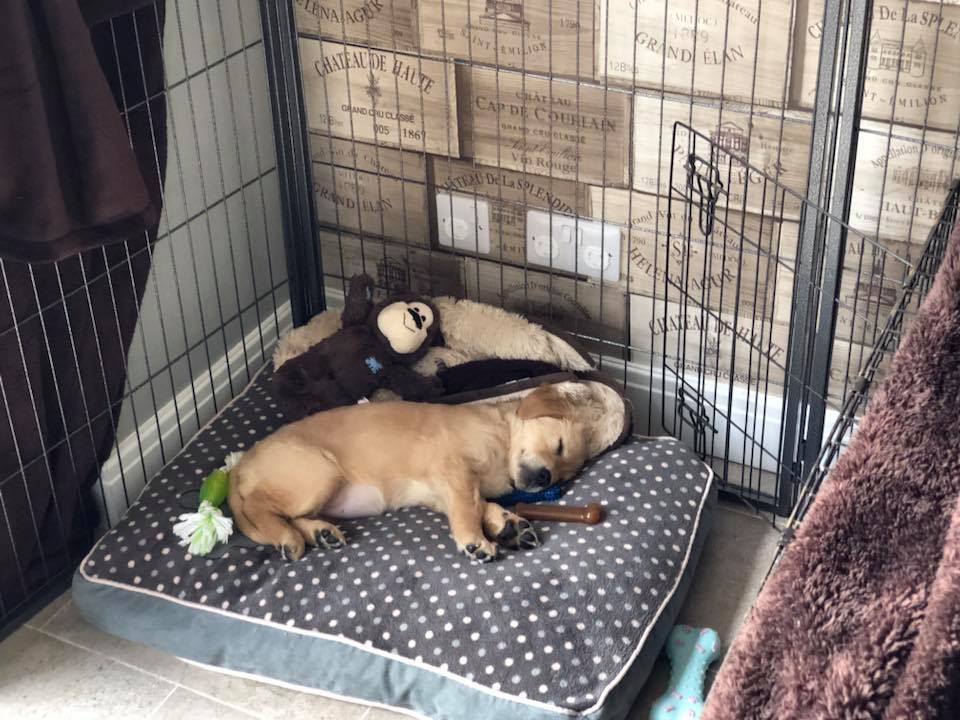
(363, 459)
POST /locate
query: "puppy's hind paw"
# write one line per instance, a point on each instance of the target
(527, 537)
(481, 552)
(518, 533)
(319, 533)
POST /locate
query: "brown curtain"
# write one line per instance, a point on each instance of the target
(78, 194)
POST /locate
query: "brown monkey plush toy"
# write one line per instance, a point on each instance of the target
(374, 349)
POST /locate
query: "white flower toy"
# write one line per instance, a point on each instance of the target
(203, 529)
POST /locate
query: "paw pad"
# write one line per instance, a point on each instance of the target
(289, 553)
(527, 537)
(519, 533)
(328, 539)
(478, 554)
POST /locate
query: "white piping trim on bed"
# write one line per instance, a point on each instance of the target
(407, 661)
(342, 640)
(686, 560)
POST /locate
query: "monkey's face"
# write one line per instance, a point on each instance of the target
(405, 325)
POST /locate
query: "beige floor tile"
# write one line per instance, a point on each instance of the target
(734, 561)
(42, 617)
(41, 677)
(270, 701)
(260, 699)
(68, 625)
(381, 714)
(187, 704)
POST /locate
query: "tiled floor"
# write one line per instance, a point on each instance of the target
(58, 666)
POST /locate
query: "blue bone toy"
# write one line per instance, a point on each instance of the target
(691, 650)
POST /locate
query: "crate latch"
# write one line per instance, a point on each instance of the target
(695, 415)
(705, 186)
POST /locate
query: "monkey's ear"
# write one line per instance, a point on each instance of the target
(545, 401)
(359, 301)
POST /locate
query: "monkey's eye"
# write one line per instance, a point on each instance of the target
(560, 447)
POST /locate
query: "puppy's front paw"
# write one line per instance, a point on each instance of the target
(481, 551)
(518, 533)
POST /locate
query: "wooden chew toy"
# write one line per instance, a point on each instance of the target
(590, 514)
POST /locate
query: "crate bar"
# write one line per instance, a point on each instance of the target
(304, 265)
(845, 160)
(819, 178)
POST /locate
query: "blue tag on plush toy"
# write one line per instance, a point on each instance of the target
(373, 364)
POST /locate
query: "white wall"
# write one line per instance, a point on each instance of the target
(210, 313)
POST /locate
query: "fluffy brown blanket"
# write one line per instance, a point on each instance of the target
(862, 618)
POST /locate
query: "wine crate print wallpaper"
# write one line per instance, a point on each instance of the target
(520, 153)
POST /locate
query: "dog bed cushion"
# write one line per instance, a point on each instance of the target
(399, 617)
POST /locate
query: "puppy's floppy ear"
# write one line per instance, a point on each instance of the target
(545, 401)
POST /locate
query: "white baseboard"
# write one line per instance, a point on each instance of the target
(137, 457)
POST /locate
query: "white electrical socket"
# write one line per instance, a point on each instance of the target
(562, 242)
(463, 222)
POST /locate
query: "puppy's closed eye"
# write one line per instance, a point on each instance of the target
(560, 447)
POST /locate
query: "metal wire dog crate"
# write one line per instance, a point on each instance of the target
(111, 359)
(725, 200)
(758, 257)
(814, 339)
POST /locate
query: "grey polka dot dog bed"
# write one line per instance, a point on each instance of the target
(399, 617)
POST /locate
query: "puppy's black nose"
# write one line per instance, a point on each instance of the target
(536, 478)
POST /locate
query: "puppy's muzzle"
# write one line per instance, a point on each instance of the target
(535, 478)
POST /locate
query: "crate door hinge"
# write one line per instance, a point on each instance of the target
(796, 468)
